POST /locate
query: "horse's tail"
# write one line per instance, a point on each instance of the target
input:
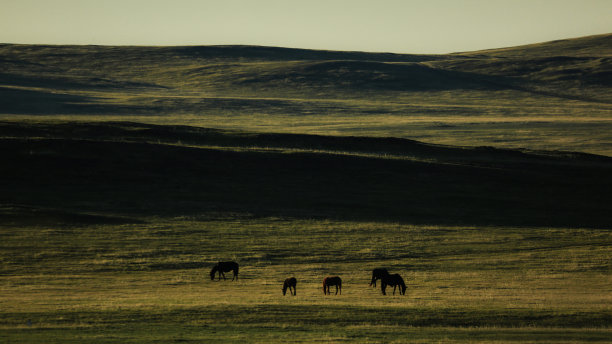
(324, 285)
(236, 271)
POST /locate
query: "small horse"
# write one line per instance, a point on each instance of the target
(377, 274)
(329, 281)
(223, 267)
(394, 280)
(289, 283)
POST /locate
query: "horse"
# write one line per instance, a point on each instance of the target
(394, 280)
(329, 281)
(378, 274)
(223, 267)
(289, 283)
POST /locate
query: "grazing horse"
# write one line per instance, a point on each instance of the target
(329, 281)
(289, 283)
(223, 267)
(377, 274)
(394, 280)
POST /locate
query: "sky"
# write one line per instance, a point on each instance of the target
(408, 26)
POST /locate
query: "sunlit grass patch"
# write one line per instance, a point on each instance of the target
(135, 282)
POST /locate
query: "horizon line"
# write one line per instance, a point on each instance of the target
(294, 48)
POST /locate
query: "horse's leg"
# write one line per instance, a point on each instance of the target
(394, 287)
(221, 274)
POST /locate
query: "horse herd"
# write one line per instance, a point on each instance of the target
(386, 279)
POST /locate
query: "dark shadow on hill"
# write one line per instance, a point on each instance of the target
(48, 80)
(248, 52)
(372, 76)
(37, 102)
(129, 176)
(21, 215)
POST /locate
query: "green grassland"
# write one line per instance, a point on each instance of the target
(149, 282)
(483, 178)
(553, 96)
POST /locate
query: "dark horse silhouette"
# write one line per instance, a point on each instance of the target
(394, 280)
(378, 274)
(329, 281)
(223, 267)
(289, 283)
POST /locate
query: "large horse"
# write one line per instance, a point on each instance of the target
(377, 274)
(329, 281)
(289, 283)
(394, 280)
(223, 267)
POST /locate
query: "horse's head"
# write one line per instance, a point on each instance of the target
(213, 272)
(284, 289)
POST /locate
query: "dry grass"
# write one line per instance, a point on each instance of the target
(534, 284)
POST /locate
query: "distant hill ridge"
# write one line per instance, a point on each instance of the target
(596, 45)
(246, 52)
(568, 64)
(281, 89)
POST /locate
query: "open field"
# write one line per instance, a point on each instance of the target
(483, 178)
(149, 282)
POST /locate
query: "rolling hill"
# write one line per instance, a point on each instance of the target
(76, 171)
(553, 96)
(135, 131)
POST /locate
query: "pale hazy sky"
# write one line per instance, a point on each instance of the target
(409, 26)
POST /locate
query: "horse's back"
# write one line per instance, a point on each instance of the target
(380, 272)
(332, 280)
(227, 266)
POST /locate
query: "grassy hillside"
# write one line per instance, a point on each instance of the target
(130, 169)
(553, 96)
(596, 45)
